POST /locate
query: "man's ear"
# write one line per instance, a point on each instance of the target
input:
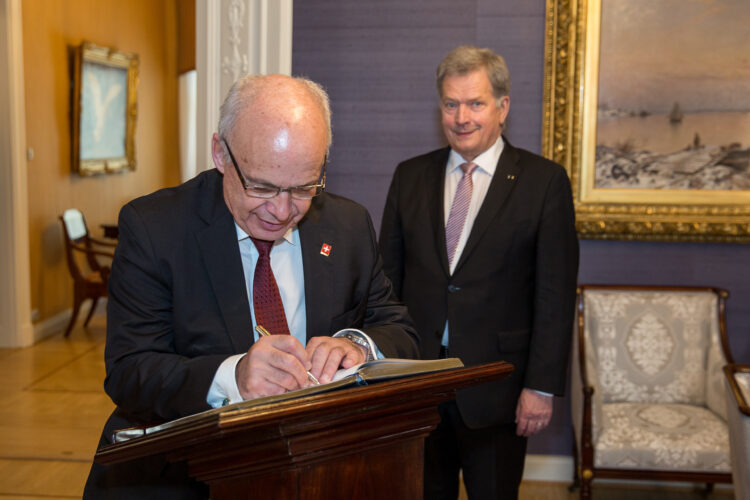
(504, 109)
(218, 152)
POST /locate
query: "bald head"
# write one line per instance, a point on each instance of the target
(275, 102)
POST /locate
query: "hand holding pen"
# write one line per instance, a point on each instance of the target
(265, 333)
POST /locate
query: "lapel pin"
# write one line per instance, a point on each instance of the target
(511, 176)
(325, 249)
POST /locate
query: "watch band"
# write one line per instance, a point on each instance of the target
(360, 339)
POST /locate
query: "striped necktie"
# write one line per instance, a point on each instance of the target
(459, 209)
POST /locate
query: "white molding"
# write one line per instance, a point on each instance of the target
(235, 63)
(15, 288)
(555, 468)
(285, 11)
(234, 38)
(187, 113)
(208, 67)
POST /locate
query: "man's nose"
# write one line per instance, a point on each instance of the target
(462, 114)
(281, 205)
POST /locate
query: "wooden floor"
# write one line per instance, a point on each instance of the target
(53, 407)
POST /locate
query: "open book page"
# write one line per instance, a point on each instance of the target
(388, 368)
(362, 374)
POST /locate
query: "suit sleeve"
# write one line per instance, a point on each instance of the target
(392, 238)
(146, 377)
(555, 288)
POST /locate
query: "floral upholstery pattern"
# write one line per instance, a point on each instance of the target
(654, 359)
(662, 437)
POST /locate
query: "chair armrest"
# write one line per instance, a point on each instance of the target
(102, 242)
(91, 251)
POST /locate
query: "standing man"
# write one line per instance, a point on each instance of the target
(254, 241)
(479, 241)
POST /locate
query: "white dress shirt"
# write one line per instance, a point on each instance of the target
(286, 264)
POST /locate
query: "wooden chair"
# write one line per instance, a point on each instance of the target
(738, 418)
(88, 283)
(647, 390)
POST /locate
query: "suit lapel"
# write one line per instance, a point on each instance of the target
(221, 258)
(435, 182)
(318, 268)
(502, 184)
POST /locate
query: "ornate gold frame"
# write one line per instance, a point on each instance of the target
(90, 53)
(569, 138)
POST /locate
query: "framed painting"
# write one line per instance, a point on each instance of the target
(104, 110)
(647, 105)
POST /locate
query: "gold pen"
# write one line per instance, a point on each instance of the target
(265, 333)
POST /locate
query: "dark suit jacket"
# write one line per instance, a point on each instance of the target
(178, 304)
(511, 296)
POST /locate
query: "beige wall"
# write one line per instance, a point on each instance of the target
(50, 28)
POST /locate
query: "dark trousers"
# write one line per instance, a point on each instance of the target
(491, 458)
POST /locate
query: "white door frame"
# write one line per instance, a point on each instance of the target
(16, 329)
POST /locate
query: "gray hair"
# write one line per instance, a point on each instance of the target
(468, 58)
(245, 90)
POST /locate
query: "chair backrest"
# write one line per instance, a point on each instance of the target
(655, 344)
(737, 381)
(76, 238)
(74, 224)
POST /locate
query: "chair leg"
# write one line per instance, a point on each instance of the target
(576, 470)
(585, 487)
(91, 311)
(76, 307)
(706, 492)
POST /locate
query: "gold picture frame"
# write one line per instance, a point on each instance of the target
(104, 110)
(569, 137)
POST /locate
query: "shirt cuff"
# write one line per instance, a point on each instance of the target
(224, 390)
(542, 393)
(359, 333)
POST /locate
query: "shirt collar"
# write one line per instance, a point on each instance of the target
(288, 236)
(487, 161)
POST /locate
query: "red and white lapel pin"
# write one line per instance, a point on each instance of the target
(325, 249)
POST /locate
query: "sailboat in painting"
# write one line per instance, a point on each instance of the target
(676, 115)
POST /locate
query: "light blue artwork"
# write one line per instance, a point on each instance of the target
(104, 92)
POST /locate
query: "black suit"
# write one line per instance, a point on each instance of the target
(178, 307)
(511, 296)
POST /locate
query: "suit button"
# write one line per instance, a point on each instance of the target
(453, 288)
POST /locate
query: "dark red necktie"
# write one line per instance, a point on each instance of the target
(269, 310)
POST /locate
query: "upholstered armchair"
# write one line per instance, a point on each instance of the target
(647, 388)
(738, 418)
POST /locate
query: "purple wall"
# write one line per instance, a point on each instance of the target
(377, 60)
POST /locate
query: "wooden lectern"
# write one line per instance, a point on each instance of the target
(359, 443)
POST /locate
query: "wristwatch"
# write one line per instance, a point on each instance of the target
(360, 340)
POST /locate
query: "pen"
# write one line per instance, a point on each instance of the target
(265, 333)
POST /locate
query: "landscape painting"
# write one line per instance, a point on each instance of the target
(647, 106)
(673, 108)
(104, 110)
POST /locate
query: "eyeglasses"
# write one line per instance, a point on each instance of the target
(270, 191)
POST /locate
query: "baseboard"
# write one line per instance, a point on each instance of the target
(51, 326)
(57, 323)
(554, 468)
